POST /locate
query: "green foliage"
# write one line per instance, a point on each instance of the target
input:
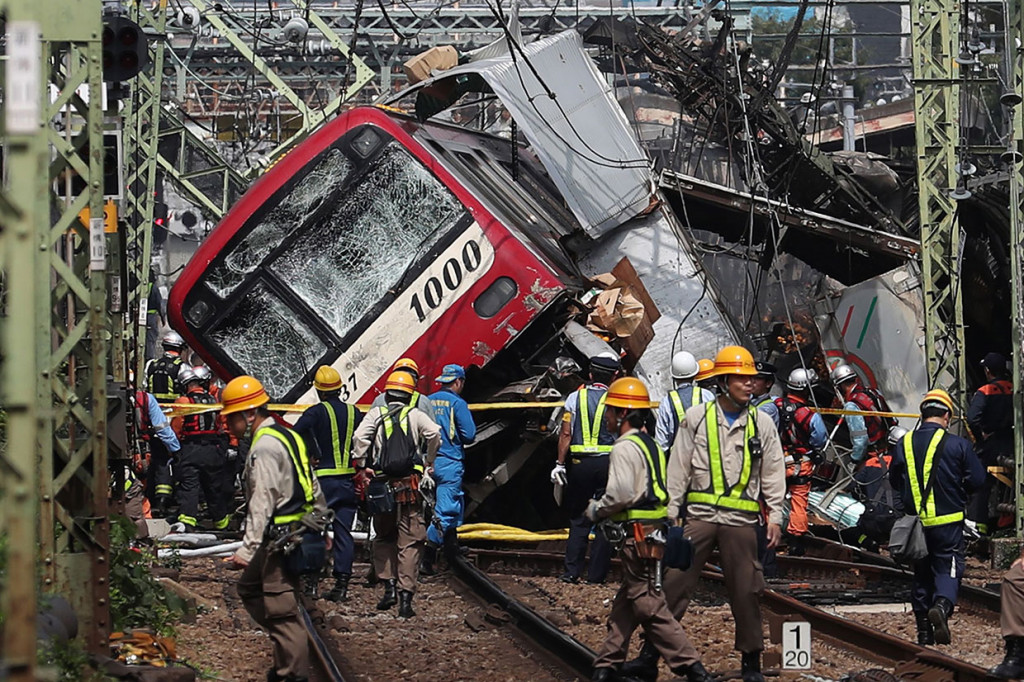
(770, 28)
(69, 661)
(136, 598)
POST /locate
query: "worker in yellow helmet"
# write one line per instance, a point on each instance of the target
(726, 457)
(284, 505)
(935, 472)
(706, 375)
(636, 500)
(418, 400)
(394, 443)
(327, 428)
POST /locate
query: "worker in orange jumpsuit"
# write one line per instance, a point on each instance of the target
(803, 436)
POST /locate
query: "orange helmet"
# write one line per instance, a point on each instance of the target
(706, 368)
(628, 392)
(327, 379)
(937, 395)
(734, 360)
(243, 393)
(401, 382)
(407, 364)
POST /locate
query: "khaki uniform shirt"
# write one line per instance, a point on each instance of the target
(422, 428)
(269, 482)
(627, 477)
(689, 467)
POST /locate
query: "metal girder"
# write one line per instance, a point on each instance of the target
(1015, 168)
(56, 330)
(141, 117)
(935, 30)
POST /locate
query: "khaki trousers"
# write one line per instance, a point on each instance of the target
(399, 544)
(637, 603)
(269, 595)
(1011, 614)
(744, 577)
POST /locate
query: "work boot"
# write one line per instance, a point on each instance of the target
(1012, 667)
(695, 672)
(405, 604)
(925, 634)
(371, 577)
(311, 586)
(390, 598)
(603, 675)
(272, 676)
(939, 616)
(750, 667)
(427, 564)
(339, 592)
(450, 546)
(569, 579)
(644, 666)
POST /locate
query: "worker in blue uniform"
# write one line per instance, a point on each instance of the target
(931, 452)
(327, 429)
(457, 431)
(584, 442)
(685, 395)
(990, 417)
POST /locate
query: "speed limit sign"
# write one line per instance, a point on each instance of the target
(796, 646)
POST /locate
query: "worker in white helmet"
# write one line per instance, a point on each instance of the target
(685, 395)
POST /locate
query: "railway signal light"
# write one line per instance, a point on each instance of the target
(125, 49)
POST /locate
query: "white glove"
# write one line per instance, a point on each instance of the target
(558, 476)
(427, 481)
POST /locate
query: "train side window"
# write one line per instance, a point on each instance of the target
(495, 297)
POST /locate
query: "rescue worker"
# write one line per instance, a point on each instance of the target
(868, 434)
(803, 435)
(281, 494)
(934, 472)
(882, 506)
(234, 459)
(200, 463)
(636, 498)
(990, 418)
(1011, 622)
(584, 441)
(162, 373)
(457, 430)
(763, 383)
(327, 429)
(159, 439)
(706, 375)
(419, 401)
(726, 457)
(685, 395)
(401, 532)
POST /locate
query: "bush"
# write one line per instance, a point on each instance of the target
(136, 598)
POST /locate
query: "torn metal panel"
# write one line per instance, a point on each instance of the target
(691, 315)
(878, 328)
(573, 123)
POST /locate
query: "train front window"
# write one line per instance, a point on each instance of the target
(354, 251)
(269, 340)
(291, 211)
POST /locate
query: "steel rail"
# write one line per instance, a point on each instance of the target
(323, 655)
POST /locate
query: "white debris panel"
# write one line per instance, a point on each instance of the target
(581, 134)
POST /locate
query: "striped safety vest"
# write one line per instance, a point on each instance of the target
(301, 501)
(588, 431)
(718, 495)
(926, 508)
(340, 461)
(654, 506)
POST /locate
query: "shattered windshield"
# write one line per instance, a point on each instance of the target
(345, 260)
(268, 340)
(304, 198)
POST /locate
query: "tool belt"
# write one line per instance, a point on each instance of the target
(406, 490)
(649, 539)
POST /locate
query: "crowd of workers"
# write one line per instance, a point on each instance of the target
(718, 456)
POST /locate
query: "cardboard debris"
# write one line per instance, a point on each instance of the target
(440, 58)
(625, 310)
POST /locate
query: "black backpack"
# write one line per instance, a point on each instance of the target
(398, 454)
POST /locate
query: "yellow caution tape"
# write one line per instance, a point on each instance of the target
(866, 413)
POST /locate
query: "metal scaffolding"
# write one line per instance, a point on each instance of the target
(55, 334)
(1014, 159)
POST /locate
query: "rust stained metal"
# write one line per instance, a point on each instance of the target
(540, 296)
(483, 351)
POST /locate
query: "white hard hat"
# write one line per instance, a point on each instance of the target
(843, 373)
(801, 379)
(172, 339)
(202, 373)
(896, 434)
(185, 375)
(684, 365)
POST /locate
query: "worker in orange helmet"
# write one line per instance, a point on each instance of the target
(395, 443)
(418, 400)
(286, 509)
(706, 375)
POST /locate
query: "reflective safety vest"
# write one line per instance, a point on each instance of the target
(403, 423)
(719, 495)
(301, 501)
(589, 437)
(869, 400)
(926, 508)
(654, 505)
(696, 398)
(340, 463)
(163, 377)
(204, 424)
